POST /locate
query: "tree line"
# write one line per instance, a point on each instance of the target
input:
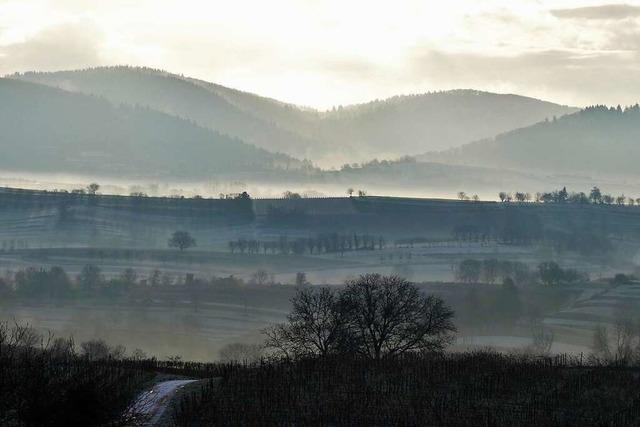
(321, 243)
(54, 282)
(594, 197)
(490, 271)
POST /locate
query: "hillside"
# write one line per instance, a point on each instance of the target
(380, 129)
(597, 140)
(434, 121)
(248, 117)
(54, 219)
(408, 173)
(50, 130)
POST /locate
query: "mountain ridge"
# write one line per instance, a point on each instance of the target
(391, 128)
(47, 129)
(597, 139)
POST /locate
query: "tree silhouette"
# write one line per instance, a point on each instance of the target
(388, 316)
(374, 316)
(315, 326)
(181, 240)
(595, 195)
(93, 188)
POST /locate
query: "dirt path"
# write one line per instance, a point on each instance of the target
(148, 408)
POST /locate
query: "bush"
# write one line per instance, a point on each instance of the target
(43, 383)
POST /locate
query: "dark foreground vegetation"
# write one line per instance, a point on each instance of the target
(370, 353)
(469, 389)
(49, 387)
(43, 382)
(373, 353)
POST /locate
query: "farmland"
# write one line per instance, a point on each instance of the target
(424, 240)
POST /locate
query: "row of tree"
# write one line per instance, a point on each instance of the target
(492, 270)
(321, 243)
(595, 196)
(55, 282)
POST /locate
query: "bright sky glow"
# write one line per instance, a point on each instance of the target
(328, 52)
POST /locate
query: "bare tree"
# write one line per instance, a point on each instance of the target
(261, 278)
(521, 197)
(241, 353)
(374, 316)
(93, 188)
(388, 316)
(100, 350)
(62, 348)
(301, 279)
(469, 271)
(600, 345)
(625, 339)
(138, 354)
(542, 340)
(315, 326)
(182, 240)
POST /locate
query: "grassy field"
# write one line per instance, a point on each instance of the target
(117, 233)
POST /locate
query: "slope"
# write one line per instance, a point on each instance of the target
(380, 129)
(434, 121)
(50, 130)
(596, 140)
(204, 104)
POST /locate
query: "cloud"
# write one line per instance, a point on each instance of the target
(608, 11)
(576, 77)
(63, 46)
(625, 39)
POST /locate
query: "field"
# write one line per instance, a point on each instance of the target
(596, 307)
(424, 240)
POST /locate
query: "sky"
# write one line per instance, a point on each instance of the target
(325, 53)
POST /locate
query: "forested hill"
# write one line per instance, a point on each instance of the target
(212, 106)
(50, 130)
(380, 129)
(413, 124)
(596, 140)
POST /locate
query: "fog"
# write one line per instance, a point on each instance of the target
(407, 213)
(485, 259)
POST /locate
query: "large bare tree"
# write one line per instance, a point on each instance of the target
(389, 316)
(315, 326)
(374, 316)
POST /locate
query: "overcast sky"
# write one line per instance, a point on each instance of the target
(322, 53)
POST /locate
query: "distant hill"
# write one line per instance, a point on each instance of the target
(50, 130)
(596, 140)
(221, 109)
(380, 129)
(396, 177)
(435, 121)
